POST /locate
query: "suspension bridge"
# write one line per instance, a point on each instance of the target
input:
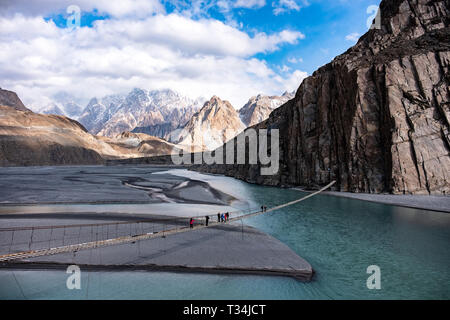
(143, 230)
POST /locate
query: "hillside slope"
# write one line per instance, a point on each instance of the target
(28, 138)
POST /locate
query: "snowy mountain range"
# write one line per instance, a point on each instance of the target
(193, 124)
(154, 112)
(62, 104)
(98, 112)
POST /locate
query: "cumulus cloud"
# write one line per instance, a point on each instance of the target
(284, 6)
(284, 68)
(114, 8)
(249, 4)
(294, 60)
(195, 57)
(201, 8)
(352, 37)
(293, 81)
(205, 36)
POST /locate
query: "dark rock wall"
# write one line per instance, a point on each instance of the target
(375, 119)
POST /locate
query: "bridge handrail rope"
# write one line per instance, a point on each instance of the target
(146, 236)
(157, 220)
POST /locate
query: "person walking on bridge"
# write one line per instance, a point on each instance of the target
(218, 217)
(207, 220)
(227, 215)
(191, 223)
(222, 217)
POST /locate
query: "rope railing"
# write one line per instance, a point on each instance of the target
(151, 220)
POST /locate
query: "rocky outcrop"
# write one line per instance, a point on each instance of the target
(375, 119)
(10, 99)
(258, 108)
(140, 144)
(216, 123)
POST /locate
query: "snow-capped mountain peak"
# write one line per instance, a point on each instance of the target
(63, 104)
(258, 108)
(216, 123)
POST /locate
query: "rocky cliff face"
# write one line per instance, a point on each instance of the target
(258, 108)
(216, 123)
(375, 119)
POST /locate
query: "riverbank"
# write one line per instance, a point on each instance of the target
(424, 202)
(103, 185)
(440, 203)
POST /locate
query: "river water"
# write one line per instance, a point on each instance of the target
(339, 237)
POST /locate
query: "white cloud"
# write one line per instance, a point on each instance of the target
(201, 8)
(253, 4)
(115, 8)
(294, 60)
(283, 6)
(205, 36)
(352, 37)
(294, 80)
(195, 57)
(284, 68)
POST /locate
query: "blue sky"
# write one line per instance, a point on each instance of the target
(233, 48)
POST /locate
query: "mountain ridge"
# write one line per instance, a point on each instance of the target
(161, 113)
(258, 108)
(215, 123)
(10, 99)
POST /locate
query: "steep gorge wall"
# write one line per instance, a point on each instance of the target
(375, 119)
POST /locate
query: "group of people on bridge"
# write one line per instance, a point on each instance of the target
(221, 217)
